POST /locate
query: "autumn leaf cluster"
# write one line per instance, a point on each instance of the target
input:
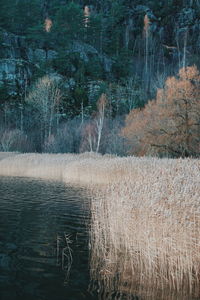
(170, 124)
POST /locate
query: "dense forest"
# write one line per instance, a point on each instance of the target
(111, 76)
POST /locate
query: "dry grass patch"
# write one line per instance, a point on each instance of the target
(7, 154)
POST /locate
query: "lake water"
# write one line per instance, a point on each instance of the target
(43, 241)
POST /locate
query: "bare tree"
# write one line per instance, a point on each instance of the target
(146, 36)
(12, 140)
(100, 119)
(92, 130)
(45, 97)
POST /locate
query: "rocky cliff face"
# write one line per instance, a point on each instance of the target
(181, 29)
(15, 65)
(18, 60)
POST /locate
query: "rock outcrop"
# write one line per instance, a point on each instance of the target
(19, 60)
(15, 66)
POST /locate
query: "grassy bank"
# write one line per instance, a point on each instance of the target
(80, 169)
(145, 218)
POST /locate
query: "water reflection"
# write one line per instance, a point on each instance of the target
(35, 218)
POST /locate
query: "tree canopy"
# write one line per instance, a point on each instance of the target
(170, 124)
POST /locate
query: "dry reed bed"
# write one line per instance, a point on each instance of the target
(7, 154)
(87, 168)
(145, 218)
(62, 167)
(146, 230)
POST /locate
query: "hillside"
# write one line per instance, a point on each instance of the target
(125, 49)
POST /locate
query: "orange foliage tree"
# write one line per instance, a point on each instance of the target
(170, 124)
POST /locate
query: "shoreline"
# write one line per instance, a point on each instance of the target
(145, 216)
(89, 168)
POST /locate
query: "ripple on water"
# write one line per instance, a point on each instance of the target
(34, 217)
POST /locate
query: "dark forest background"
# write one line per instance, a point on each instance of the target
(81, 76)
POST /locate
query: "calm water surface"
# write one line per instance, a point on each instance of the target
(43, 224)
